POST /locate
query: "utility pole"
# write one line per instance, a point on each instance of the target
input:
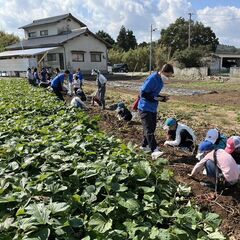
(189, 30)
(150, 57)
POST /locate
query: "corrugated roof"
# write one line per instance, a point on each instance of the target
(27, 52)
(48, 41)
(52, 20)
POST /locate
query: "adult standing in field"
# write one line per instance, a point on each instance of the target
(101, 83)
(148, 104)
(57, 84)
(80, 77)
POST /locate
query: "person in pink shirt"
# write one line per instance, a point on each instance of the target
(225, 164)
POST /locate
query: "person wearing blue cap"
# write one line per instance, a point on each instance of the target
(179, 135)
(216, 162)
(123, 113)
(148, 104)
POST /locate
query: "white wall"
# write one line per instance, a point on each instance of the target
(63, 25)
(53, 28)
(193, 73)
(235, 74)
(21, 64)
(86, 43)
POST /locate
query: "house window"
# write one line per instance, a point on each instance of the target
(52, 57)
(32, 34)
(43, 33)
(78, 56)
(95, 57)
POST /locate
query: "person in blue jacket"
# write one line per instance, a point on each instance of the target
(148, 105)
(80, 77)
(57, 84)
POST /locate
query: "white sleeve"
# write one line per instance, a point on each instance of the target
(177, 140)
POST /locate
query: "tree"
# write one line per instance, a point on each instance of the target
(131, 40)
(126, 40)
(7, 39)
(176, 36)
(121, 39)
(143, 44)
(189, 57)
(106, 37)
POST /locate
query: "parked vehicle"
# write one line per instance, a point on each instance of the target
(120, 67)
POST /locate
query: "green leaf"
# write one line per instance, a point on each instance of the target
(43, 234)
(76, 222)
(76, 198)
(14, 165)
(5, 223)
(212, 219)
(216, 235)
(142, 170)
(100, 223)
(20, 211)
(131, 204)
(56, 207)
(38, 212)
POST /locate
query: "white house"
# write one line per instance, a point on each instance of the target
(61, 41)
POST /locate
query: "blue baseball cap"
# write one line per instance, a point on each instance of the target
(169, 123)
(205, 146)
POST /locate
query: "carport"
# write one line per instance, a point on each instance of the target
(15, 61)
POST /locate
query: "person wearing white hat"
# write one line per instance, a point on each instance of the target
(218, 139)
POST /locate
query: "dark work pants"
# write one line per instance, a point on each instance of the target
(58, 93)
(149, 122)
(102, 91)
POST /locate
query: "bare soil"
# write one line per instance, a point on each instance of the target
(226, 203)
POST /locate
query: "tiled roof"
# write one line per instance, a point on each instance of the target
(52, 20)
(48, 41)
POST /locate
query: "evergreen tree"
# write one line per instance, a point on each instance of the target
(126, 40)
(106, 37)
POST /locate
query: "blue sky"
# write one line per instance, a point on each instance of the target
(223, 16)
(197, 4)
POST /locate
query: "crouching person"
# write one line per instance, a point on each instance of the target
(233, 148)
(217, 163)
(78, 103)
(179, 135)
(218, 139)
(123, 113)
(57, 84)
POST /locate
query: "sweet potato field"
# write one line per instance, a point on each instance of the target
(62, 178)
